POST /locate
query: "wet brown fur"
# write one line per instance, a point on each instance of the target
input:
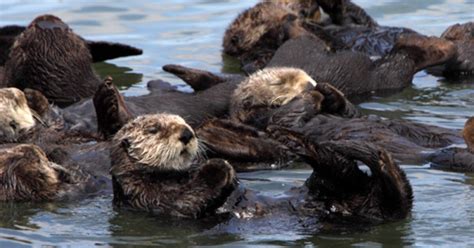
(173, 190)
(50, 58)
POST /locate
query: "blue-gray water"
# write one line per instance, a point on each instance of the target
(189, 32)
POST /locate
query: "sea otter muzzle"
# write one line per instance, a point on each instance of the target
(186, 136)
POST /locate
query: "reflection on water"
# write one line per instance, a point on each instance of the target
(189, 32)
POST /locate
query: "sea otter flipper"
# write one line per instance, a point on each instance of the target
(103, 50)
(111, 110)
(386, 194)
(197, 79)
(242, 145)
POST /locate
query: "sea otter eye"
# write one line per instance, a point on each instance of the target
(153, 130)
(13, 125)
(125, 143)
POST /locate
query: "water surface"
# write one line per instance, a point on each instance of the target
(189, 32)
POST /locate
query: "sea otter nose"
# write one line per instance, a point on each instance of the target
(186, 136)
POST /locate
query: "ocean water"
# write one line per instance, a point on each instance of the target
(189, 33)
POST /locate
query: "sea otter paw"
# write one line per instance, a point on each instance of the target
(218, 173)
(334, 100)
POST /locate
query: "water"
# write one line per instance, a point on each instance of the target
(189, 32)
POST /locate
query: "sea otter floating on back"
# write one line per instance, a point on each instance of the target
(49, 57)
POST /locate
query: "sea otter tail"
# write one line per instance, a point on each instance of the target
(384, 195)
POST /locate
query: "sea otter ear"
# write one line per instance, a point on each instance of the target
(125, 143)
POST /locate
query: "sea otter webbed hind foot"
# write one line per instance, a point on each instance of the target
(385, 194)
(111, 110)
(197, 79)
(425, 51)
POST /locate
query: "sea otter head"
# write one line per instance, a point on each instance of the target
(265, 26)
(161, 141)
(468, 134)
(15, 115)
(48, 22)
(27, 175)
(270, 87)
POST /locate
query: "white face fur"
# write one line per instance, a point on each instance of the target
(154, 140)
(15, 115)
(273, 86)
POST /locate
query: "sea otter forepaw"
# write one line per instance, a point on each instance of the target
(218, 174)
(334, 100)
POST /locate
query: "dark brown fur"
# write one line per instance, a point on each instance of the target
(26, 174)
(100, 50)
(455, 158)
(345, 12)
(355, 74)
(462, 35)
(50, 58)
(406, 141)
(193, 107)
(188, 194)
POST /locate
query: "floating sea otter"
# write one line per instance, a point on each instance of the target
(152, 155)
(268, 35)
(258, 32)
(277, 103)
(49, 57)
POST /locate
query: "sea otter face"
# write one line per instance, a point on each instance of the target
(15, 115)
(27, 174)
(264, 19)
(273, 87)
(308, 9)
(459, 32)
(162, 141)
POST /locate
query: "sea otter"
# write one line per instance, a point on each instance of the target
(320, 113)
(456, 158)
(262, 93)
(211, 99)
(151, 169)
(257, 33)
(26, 174)
(152, 154)
(49, 57)
(462, 35)
(355, 74)
(63, 74)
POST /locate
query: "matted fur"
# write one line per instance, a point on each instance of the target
(249, 27)
(153, 140)
(270, 87)
(27, 174)
(15, 114)
(468, 134)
